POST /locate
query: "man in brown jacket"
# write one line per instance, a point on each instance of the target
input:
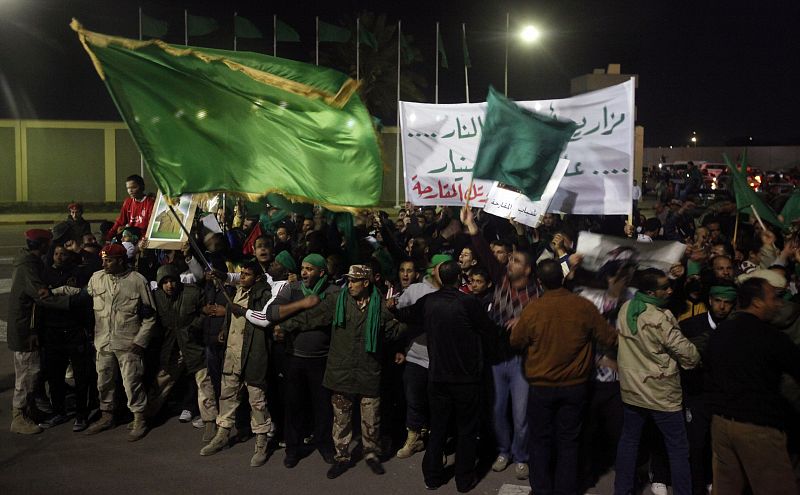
(558, 330)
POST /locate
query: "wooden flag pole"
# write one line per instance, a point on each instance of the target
(735, 229)
(760, 222)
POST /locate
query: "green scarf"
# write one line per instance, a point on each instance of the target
(638, 305)
(723, 292)
(373, 318)
(319, 287)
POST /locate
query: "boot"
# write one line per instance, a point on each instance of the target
(21, 423)
(105, 422)
(139, 429)
(260, 454)
(219, 442)
(413, 444)
(209, 431)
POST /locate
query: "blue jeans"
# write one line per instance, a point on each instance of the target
(673, 430)
(509, 379)
(415, 382)
(555, 415)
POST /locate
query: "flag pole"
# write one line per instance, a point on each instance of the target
(234, 30)
(436, 92)
(186, 27)
(505, 81)
(466, 69)
(141, 156)
(735, 229)
(760, 222)
(397, 143)
(316, 45)
(358, 49)
(274, 35)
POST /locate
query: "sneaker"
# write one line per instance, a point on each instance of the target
(80, 424)
(198, 422)
(521, 470)
(500, 463)
(53, 421)
(186, 416)
(659, 489)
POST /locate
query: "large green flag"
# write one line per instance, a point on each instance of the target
(245, 28)
(215, 120)
(200, 26)
(442, 54)
(285, 32)
(332, 33)
(791, 209)
(746, 197)
(366, 37)
(406, 50)
(518, 147)
(153, 28)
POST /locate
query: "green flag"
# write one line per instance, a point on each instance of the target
(518, 147)
(285, 32)
(467, 63)
(791, 210)
(153, 28)
(330, 33)
(442, 54)
(244, 28)
(746, 197)
(200, 26)
(368, 38)
(211, 120)
(406, 50)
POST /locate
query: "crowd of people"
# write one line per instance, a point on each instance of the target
(450, 330)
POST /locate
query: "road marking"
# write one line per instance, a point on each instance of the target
(6, 260)
(509, 489)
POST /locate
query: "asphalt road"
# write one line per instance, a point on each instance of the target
(167, 460)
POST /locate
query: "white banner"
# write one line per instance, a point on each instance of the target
(440, 144)
(599, 249)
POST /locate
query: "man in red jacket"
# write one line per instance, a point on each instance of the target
(136, 209)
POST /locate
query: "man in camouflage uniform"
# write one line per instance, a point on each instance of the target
(124, 319)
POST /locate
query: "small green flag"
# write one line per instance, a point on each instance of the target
(200, 26)
(244, 28)
(406, 50)
(791, 210)
(153, 28)
(331, 33)
(518, 147)
(747, 198)
(442, 54)
(467, 63)
(368, 38)
(285, 32)
(209, 120)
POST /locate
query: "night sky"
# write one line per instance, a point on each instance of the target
(725, 70)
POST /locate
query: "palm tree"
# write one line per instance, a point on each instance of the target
(378, 66)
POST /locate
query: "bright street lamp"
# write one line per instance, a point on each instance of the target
(530, 34)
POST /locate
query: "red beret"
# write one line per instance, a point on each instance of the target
(114, 251)
(38, 234)
(75, 206)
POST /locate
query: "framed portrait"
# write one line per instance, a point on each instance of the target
(164, 230)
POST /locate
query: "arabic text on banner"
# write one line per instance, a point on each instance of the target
(440, 143)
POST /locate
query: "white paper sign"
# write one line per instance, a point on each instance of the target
(440, 144)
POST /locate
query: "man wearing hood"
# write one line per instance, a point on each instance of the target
(180, 317)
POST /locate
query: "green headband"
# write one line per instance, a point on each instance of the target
(316, 260)
(285, 259)
(723, 292)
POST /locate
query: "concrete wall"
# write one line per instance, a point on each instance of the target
(763, 157)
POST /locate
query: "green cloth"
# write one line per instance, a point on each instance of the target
(638, 305)
(318, 289)
(200, 26)
(693, 268)
(791, 210)
(518, 147)
(316, 260)
(467, 62)
(373, 317)
(747, 197)
(285, 259)
(331, 33)
(440, 48)
(245, 28)
(437, 259)
(210, 120)
(153, 28)
(285, 32)
(723, 292)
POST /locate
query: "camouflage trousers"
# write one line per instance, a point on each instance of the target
(231, 395)
(343, 424)
(131, 366)
(27, 368)
(165, 380)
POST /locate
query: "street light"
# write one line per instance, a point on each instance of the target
(530, 34)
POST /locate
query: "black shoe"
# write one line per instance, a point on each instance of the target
(290, 461)
(467, 486)
(375, 465)
(432, 486)
(327, 457)
(337, 469)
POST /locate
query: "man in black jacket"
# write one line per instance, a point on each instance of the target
(746, 356)
(455, 323)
